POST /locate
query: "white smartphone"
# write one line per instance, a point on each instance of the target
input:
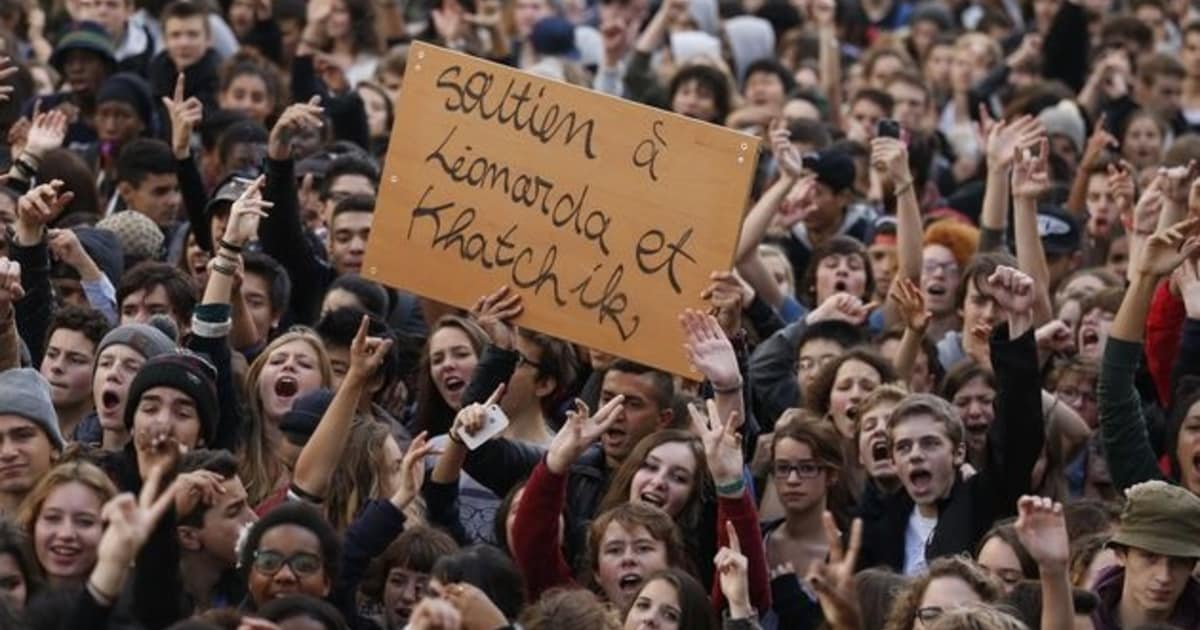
(495, 424)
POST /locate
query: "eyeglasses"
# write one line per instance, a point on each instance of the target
(929, 614)
(524, 360)
(270, 562)
(931, 267)
(804, 470)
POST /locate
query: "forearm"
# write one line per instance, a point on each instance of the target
(10, 346)
(1077, 198)
(34, 311)
(906, 354)
(1058, 607)
(755, 273)
(102, 296)
(449, 465)
(995, 199)
(535, 530)
(1130, 321)
(758, 220)
(1172, 212)
(1131, 459)
(1031, 257)
(652, 38)
(1069, 425)
(319, 458)
(909, 239)
(195, 200)
(243, 334)
(830, 63)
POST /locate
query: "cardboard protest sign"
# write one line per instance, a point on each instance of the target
(607, 216)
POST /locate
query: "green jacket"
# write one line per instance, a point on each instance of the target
(1131, 458)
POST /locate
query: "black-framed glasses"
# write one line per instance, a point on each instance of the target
(524, 360)
(270, 562)
(803, 469)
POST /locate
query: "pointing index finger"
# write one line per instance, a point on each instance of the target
(734, 543)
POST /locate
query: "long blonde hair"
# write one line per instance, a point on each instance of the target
(77, 471)
(260, 465)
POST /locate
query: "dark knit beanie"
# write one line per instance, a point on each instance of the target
(131, 89)
(302, 419)
(187, 372)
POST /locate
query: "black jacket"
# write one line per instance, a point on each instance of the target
(201, 79)
(1015, 441)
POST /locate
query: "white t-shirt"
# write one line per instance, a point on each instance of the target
(916, 537)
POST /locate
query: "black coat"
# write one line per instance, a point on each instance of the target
(1015, 441)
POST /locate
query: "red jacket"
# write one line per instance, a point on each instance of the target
(536, 525)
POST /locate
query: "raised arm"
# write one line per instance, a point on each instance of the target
(910, 304)
(317, 461)
(735, 504)
(829, 56)
(1003, 138)
(10, 292)
(1122, 425)
(34, 210)
(65, 246)
(536, 524)
(791, 169)
(889, 157)
(712, 354)
(1016, 436)
(185, 114)
(1030, 180)
(1177, 193)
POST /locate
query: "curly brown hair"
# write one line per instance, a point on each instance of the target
(904, 608)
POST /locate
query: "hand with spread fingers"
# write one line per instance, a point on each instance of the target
(910, 303)
(710, 351)
(722, 444)
(834, 580)
(1167, 249)
(580, 431)
(412, 471)
(494, 314)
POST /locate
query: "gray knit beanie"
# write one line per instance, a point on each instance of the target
(24, 393)
(146, 340)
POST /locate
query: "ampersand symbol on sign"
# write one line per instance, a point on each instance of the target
(646, 154)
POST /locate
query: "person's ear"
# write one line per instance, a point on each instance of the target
(960, 454)
(544, 386)
(189, 538)
(125, 190)
(665, 418)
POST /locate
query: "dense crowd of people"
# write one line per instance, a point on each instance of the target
(952, 380)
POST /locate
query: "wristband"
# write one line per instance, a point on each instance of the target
(227, 270)
(224, 254)
(903, 188)
(453, 435)
(733, 489)
(237, 249)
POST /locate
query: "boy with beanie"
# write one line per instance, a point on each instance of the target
(29, 436)
(172, 403)
(1157, 545)
(120, 357)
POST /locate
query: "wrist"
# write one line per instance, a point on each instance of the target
(729, 386)
(729, 487)
(740, 609)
